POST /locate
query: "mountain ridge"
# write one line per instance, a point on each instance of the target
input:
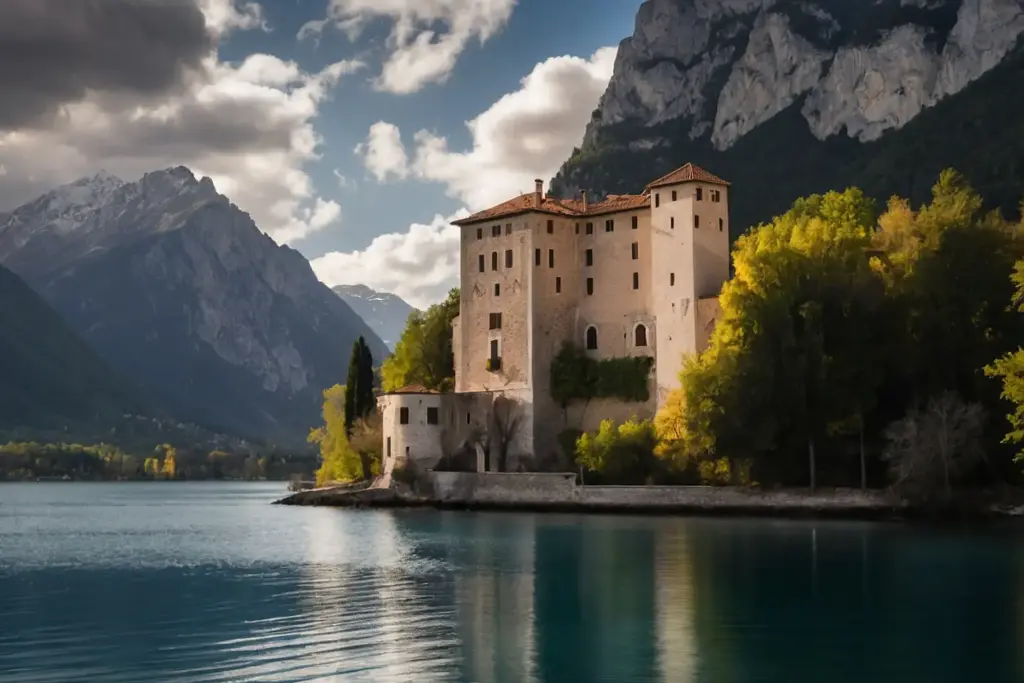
(385, 312)
(176, 287)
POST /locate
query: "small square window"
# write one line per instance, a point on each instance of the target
(588, 257)
(700, 194)
(635, 222)
(671, 279)
(635, 249)
(508, 258)
(674, 196)
(636, 280)
(590, 286)
(479, 233)
(558, 285)
(508, 228)
(495, 321)
(536, 257)
(657, 200)
(497, 289)
(551, 227)
(481, 262)
(433, 417)
(609, 225)
(495, 231)
(590, 228)
(696, 221)
(551, 258)
(403, 416)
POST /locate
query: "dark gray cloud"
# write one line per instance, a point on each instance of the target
(53, 51)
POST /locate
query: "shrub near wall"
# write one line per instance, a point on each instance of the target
(575, 376)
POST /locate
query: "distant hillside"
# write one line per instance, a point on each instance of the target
(48, 376)
(385, 313)
(177, 289)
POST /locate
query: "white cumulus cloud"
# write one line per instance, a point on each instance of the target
(427, 36)
(525, 135)
(419, 265)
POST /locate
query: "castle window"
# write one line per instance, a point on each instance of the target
(389, 446)
(551, 258)
(590, 228)
(403, 416)
(495, 231)
(495, 321)
(508, 258)
(591, 338)
(635, 248)
(590, 286)
(657, 200)
(508, 228)
(432, 417)
(479, 233)
(468, 420)
(716, 196)
(497, 289)
(536, 257)
(551, 227)
(640, 335)
(588, 257)
(609, 225)
(495, 354)
(672, 222)
(721, 224)
(674, 196)
(558, 285)
(636, 280)
(696, 222)
(700, 194)
(494, 260)
(635, 222)
(480, 259)
(671, 279)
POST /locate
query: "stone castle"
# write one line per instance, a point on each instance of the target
(630, 275)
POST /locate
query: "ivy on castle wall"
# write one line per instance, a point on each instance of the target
(575, 376)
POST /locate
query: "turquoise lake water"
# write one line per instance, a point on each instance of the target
(208, 582)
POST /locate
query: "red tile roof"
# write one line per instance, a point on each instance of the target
(524, 203)
(687, 174)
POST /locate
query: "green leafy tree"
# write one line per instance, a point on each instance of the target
(360, 401)
(620, 454)
(424, 353)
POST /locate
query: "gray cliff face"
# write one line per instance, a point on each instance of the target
(385, 313)
(176, 287)
(728, 66)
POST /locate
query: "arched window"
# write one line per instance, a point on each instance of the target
(640, 335)
(591, 338)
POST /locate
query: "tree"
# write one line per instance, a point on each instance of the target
(506, 422)
(338, 462)
(360, 401)
(930, 448)
(367, 441)
(424, 353)
(620, 454)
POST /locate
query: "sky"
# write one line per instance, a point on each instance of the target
(351, 130)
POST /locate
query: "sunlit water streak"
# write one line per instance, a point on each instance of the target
(207, 582)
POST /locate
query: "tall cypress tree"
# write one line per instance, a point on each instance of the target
(359, 399)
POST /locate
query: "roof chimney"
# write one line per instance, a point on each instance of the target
(585, 204)
(538, 192)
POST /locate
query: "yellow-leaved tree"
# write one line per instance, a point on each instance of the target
(338, 461)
